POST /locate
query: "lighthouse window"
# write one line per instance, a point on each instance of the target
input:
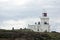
(38, 23)
(38, 29)
(45, 14)
(45, 22)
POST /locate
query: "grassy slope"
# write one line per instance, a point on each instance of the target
(29, 34)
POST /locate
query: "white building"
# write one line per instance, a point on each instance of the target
(41, 26)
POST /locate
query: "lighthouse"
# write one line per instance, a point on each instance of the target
(42, 25)
(45, 22)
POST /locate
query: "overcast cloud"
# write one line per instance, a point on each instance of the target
(20, 13)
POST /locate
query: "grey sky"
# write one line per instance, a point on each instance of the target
(25, 12)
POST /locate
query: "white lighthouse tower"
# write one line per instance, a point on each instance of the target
(45, 22)
(41, 26)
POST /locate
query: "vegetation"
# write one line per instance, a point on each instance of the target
(29, 34)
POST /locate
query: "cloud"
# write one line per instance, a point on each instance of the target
(55, 24)
(13, 23)
(17, 24)
(28, 11)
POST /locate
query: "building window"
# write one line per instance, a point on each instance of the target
(38, 29)
(38, 23)
(44, 14)
(45, 23)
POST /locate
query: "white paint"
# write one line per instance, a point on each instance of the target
(41, 27)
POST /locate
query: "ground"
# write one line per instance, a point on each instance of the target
(24, 34)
